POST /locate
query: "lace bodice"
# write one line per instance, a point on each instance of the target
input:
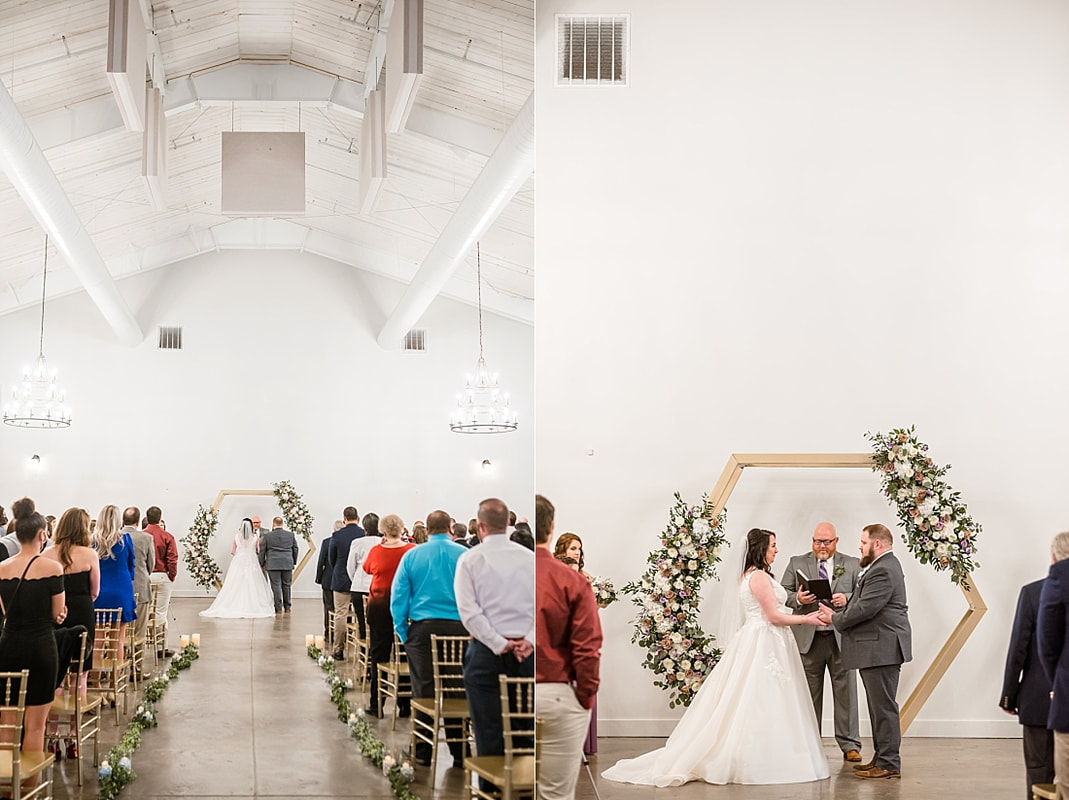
(750, 607)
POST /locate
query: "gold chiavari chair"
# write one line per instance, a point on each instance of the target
(112, 673)
(449, 706)
(81, 716)
(393, 678)
(18, 766)
(360, 648)
(513, 773)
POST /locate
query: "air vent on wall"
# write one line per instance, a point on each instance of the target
(416, 340)
(593, 49)
(170, 337)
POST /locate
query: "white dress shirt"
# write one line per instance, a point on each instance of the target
(495, 589)
(355, 565)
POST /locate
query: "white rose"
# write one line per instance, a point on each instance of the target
(684, 664)
(692, 565)
(672, 552)
(679, 520)
(677, 637)
(941, 550)
(675, 606)
(668, 664)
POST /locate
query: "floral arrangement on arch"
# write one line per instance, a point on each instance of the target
(668, 595)
(938, 528)
(201, 565)
(295, 513)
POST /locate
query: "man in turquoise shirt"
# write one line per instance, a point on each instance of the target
(423, 603)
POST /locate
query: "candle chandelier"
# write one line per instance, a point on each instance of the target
(37, 402)
(482, 407)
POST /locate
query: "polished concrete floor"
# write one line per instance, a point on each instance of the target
(252, 719)
(932, 769)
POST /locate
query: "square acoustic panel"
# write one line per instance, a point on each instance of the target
(263, 174)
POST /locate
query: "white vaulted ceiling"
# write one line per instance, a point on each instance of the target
(269, 65)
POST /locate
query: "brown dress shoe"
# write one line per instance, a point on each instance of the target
(863, 767)
(879, 772)
(852, 755)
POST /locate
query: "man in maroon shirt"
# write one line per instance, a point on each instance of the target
(567, 658)
(164, 571)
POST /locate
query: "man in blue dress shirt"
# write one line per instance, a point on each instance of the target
(423, 603)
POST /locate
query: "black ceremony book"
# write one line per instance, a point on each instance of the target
(821, 587)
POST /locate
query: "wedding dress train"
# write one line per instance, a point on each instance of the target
(750, 722)
(246, 591)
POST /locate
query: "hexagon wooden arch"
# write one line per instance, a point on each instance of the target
(223, 493)
(976, 608)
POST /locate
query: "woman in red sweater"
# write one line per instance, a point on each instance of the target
(381, 564)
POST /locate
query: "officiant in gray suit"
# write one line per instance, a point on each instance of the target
(821, 647)
(877, 640)
(278, 555)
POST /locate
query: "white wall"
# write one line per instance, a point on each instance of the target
(801, 222)
(280, 378)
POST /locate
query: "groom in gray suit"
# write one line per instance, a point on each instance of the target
(821, 648)
(877, 640)
(278, 555)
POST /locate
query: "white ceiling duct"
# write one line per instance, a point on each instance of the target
(25, 165)
(507, 169)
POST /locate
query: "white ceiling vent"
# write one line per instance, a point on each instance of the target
(170, 337)
(593, 49)
(416, 340)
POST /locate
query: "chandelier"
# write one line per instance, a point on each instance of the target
(36, 402)
(482, 407)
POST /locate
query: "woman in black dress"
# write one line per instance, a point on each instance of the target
(81, 575)
(31, 605)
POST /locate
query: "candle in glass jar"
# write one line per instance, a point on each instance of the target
(319, 642)
(309, 640)
(195, 638)
(185, 641)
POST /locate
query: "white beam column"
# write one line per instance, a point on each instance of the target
(505, 172)
(25, 165)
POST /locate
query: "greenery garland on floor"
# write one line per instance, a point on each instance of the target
(116, 769)
(399, 775)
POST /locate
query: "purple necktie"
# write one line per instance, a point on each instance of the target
(822, 570)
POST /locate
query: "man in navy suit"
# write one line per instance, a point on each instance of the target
(340, 582)
(1052, 631)
(1026, 689)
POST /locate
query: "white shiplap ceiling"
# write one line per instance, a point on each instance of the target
(269, 65)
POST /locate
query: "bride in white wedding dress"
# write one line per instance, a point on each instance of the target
(245, 592)
(752, 719)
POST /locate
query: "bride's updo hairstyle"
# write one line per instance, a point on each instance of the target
(757, 541)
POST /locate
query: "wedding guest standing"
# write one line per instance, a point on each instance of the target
(81, 573)
(567, 662)
(340, 582)
(164, 572)
(116, 551)
(323, 579)
(144, 562)
(1053, 633)
(423, 603)
(381, 564)
(31, 590)
(354, 568)
(494, 588)
(821, 648)
(1025, 686)
(877, 640)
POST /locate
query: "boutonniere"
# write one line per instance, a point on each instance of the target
(839, 571)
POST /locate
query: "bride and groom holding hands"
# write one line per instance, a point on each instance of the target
(758, 699)
(260, 575)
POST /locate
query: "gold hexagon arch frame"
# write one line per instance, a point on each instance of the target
(975, 610)
(224, 493)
